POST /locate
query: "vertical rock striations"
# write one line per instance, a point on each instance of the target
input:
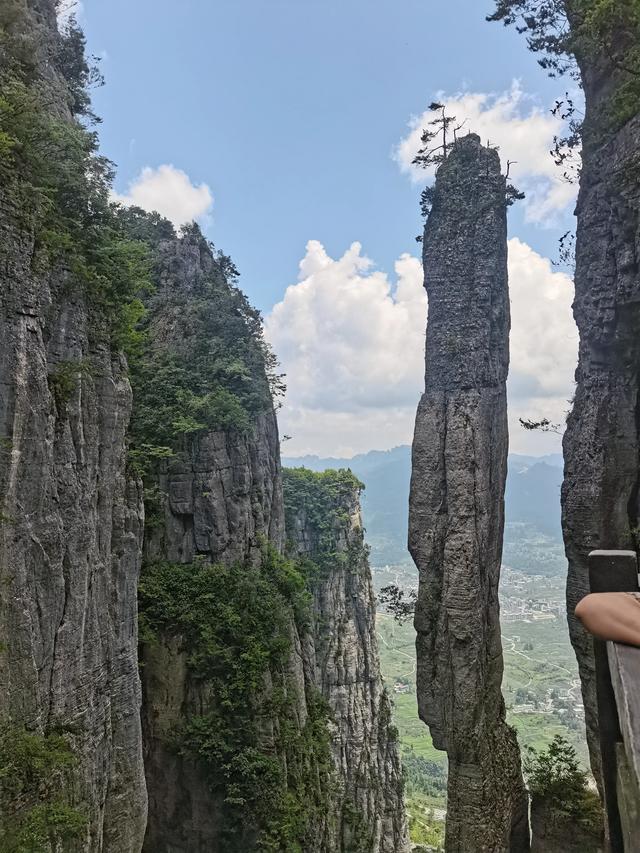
(217, 500)
(70, 517)
(266, 725)
(456, 503)
(602, 441)
(324, 529)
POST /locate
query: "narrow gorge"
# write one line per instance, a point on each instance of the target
(139, 442)
(189, 657)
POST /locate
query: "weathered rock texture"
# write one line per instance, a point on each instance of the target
(341, 660)
(602, 440)
(221, 501)
(457, 506)
(555, 832)
(70, 523)
(224, 496)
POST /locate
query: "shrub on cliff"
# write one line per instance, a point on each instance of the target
(271, 773)
(555, 778)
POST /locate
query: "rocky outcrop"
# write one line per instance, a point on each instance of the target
(70, 516)
(602, 440)
(324, 526)
(221, 505)
(325, 732)
(457, 503)
(223, 498)
(218, 499)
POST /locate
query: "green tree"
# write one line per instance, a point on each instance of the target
(563, 31)
(554, 776)
(33, 813)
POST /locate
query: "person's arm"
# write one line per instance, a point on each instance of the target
(611, 616)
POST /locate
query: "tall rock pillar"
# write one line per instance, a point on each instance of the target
(457, 502)
(324, 530)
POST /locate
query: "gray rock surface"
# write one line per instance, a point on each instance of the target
(341, 659)
(70, 524)
(222, 498)
(602, 440)
(457, 503)
(553, 832)
(220, 503)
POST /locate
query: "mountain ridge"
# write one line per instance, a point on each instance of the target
(533, 539)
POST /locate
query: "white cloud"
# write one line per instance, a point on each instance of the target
(169, 191)
(524, 132)
(351, 342)
(544, 346)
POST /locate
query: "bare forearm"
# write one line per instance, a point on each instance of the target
(611, 616)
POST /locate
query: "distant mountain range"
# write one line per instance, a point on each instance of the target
(533, 538)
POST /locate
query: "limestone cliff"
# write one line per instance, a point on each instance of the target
(216, 500)
(324, 529)
(602, 441)
(70, 516)
(260, 731)
(457, 502)
(243, 672)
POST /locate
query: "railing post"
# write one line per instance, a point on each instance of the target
(610, 571)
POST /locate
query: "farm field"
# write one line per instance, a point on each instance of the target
(540, 685)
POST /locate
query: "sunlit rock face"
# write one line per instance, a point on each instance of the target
(71, 516)
(341, 660)
(457, 502)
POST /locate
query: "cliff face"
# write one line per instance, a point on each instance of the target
(70, 520)
(217, 500)
(185, 809)
(265, 720)
(553, 832)
(265, 724)
(457, 502)
(602, 441)
(223, 496)
(324, 528)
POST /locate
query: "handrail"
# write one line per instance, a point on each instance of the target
(618, 698)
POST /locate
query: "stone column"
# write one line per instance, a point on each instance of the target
(457, 502)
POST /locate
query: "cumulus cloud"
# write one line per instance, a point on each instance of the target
(169, 191)
(524, 132)
(351, 340)
(342, 326)
(544, 345)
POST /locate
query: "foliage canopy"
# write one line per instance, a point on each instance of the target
(235, 623)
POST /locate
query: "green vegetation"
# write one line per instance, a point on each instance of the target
(236, 627)
(320, 498)
(425, 827)
(33, 813)
(554, 776)
(58, 185)
(65, 379)
(600, 30)
(203, 363)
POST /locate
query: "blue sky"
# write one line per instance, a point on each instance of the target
(290, 113)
